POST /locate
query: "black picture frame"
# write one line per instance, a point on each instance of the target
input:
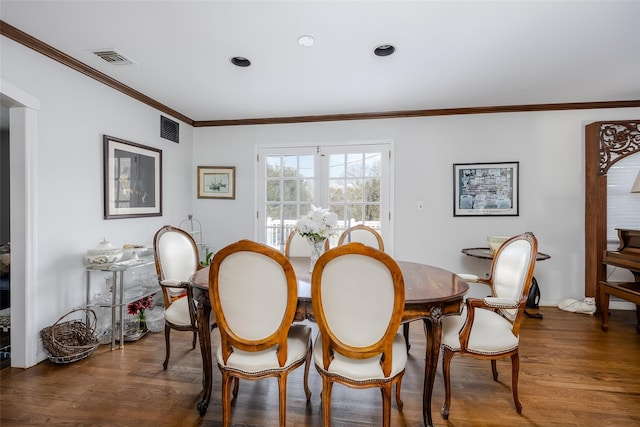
(486, 189)
(132, 175)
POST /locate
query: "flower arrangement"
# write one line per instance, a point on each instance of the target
(318, 224)
(138, 308)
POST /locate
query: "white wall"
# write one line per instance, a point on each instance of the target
(75, 112)
(548, 145)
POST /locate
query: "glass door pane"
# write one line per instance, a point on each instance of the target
(353, 181)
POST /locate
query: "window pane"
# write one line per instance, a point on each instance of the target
(336, 190)
(306, 169)
(354, 190)
(354, 165)
(273, 191)
(372, 190)
(372, 213)
(291, 212)
(273, 212)
(336, 166)
(290, 190)
(273, 166)
(345, 179)
(354, 212)
(307, 190)
(372, 164)
(290, 165)
(304, 208)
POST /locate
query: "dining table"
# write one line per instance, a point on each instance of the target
(431, 293)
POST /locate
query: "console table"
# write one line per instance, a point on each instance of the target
(117, 299)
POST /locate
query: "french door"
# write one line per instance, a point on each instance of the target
(354, 181)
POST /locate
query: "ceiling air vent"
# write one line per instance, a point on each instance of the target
(112, 56)
(169, 129)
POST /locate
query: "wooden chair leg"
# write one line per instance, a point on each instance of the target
(326, 401)
(307, 390)
(236, 385)
(226, 399)
(494, 369)
(604, 308)
(399, 403)
(195, 338)
(447, 355)
(167, 346)
(515, 369)
(282, 398)
(386, 404)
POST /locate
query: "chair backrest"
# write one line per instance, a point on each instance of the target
(363, 234)
(357, 294)
(512, 269)
(254, 293)
(296, 246)
(176, 254)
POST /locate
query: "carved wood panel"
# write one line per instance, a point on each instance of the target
(605, 144)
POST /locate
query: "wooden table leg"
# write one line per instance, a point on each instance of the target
(433, 333)
(604, 307)
(204, 332)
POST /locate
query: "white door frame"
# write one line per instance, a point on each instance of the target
(22, 145)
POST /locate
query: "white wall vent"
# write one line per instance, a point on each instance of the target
(112, 56)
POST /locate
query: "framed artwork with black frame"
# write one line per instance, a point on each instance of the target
(132, 179)
(216, 182)
(486, 189)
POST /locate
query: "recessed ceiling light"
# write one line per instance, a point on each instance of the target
(305, 41)
(384, 50)
(240, 61)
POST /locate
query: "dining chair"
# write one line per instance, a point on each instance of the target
(489, 328)
(298, 246)
(370, 237)
(357, 294)
(176, 259)
(254, 293)
(363, 234)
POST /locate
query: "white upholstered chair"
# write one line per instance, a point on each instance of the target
(176, 258)
(298, 246)
(363, 234)
(357, 294)
(254, 293)
(489, 328)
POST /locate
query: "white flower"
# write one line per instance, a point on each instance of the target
(318, 223)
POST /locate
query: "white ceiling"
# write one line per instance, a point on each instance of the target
(449, 54)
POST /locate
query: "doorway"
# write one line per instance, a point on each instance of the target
(23, 109)
(5, 248)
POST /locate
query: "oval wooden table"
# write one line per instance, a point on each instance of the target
(430, 294)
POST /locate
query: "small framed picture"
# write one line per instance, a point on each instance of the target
(216, 182)
(132, 179)
(485, 189)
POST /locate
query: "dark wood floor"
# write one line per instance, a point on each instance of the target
(572, 374)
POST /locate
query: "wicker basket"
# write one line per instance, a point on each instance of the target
(72, 340)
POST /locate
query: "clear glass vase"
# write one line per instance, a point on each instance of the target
(317, 248)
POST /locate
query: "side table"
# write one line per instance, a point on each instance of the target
(531, 309)
(117, 301)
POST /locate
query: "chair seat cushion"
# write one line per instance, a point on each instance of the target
(490, 333)
(178, 312)
(298, 341)
(362, 369)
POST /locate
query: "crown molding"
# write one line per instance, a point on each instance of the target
(59, 56)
